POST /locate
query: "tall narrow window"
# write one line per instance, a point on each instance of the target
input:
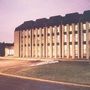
(43, 30)
(76, 50)
(84, 36)
(70, 28)
(84, 49)
(70, 50)
(49, 30)
(65, 38)
(65, 29)
(76, 27)
(29, 32)
(53, 50)
(76, 37)
(54, 29)
(70, 37)
(84, 26)
(65, 50)
(58, 29)
(58, 38)
(34, 32)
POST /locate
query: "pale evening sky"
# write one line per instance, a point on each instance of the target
(15, 12)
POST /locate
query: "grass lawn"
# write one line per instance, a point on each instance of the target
(75, 72)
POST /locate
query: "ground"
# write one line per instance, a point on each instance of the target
(72, 71)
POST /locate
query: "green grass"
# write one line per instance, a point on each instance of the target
(75, 72)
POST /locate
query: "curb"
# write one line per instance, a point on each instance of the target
(42, 80)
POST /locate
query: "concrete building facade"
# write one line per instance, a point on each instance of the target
(9, 50)
(6, 49)
(58, 37)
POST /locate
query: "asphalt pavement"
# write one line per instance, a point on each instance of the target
(15, 83)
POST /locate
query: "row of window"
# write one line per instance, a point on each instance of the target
(39, 44)
(70, 27)
(70, 43)
(48, 34)
(84, 26)
(65, 43)
(70, 32)
(47, 44)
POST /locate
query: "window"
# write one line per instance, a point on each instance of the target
(33, 44)
(57, 43)
(29, 32)
(42, 44)
(42, 35)
(49, 30)
(84, 31)
(58, 29)
(84, 49)
(76, 27)
(58, 38)
(84, 36)
(43, 31)
(84, 26)
(70, 43)
(28, 36)
(65, 50)
(76, 37)
(38, 35)
(53, 44)
(48, 51)
(48, 34)
(58, 51)
(76, 43)
(37, 44)
(65, 29)
(34, 31)
(57, 33)
(70, 32)
(70, 50)
(70, 28)
(52, 34)
(65, 33)
(21, 36)
(65, 43)
(84, 42)
(11, 52)
(25, 36)
(28, 44)
(65, 38)
(39, 31)
(48, 44)
(76, 32)
(76, 50)
(70, 37)
(54, 29)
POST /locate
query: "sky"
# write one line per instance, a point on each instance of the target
(15, 12)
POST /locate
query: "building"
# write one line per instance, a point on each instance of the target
(2, 49)
(9, 50)
(58, 37)
(6, 49)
